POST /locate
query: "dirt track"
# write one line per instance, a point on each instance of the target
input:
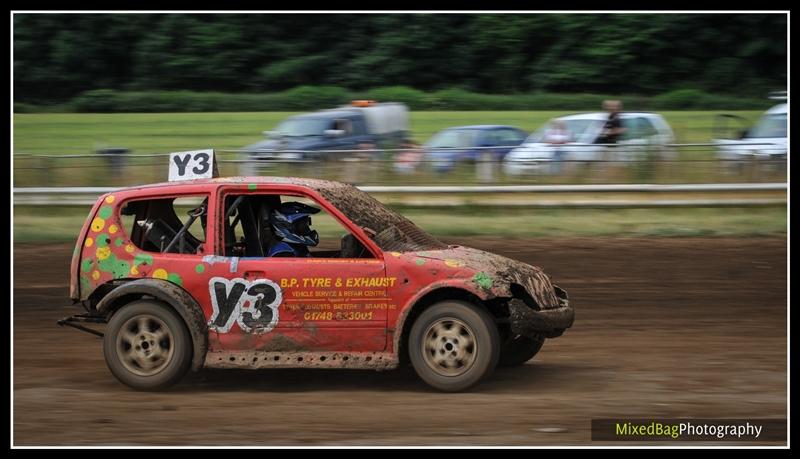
(667, 328)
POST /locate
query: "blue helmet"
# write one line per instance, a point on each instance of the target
(292, 223)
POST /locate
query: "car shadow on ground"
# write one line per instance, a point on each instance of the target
(544, 376)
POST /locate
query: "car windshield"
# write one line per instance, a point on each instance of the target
(770, 126)
(302, 127)
(393, 232)
(580, 130)
(453, 138)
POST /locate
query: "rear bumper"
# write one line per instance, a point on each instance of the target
(549, 323)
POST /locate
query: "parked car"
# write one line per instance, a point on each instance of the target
(469, 143)
(767, 139)
(334, 133)
(181, 290)
(538, 154)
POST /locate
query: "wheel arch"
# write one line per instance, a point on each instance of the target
(172, 294)
(427, 299)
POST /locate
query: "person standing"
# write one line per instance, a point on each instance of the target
(557, 135)
(612, 129)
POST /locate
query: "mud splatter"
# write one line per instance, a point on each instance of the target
(482, 280)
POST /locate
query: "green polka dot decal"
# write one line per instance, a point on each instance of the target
(86, 265)
(142, 258)
(107, 265)
(105, 212)
(85, 284)
(175, 278)
(200, 268)
(121, 269)
(103, 240)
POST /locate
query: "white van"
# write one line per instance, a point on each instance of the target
(642, 131)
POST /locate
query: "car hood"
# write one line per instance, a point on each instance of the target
(540, 151)
(753, 146)
(496, 274)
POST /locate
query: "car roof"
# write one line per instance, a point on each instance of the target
(315, 184)
(483, 127)
(325, 114)
(604, 115)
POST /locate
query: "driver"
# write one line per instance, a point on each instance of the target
(291, 225)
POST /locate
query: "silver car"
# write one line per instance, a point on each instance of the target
(582, 142)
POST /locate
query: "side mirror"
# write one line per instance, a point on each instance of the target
(334, 132)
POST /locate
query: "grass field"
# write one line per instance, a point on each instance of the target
(38, 224)
(70, 134)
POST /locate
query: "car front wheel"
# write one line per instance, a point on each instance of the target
(147, 345)
(453, 345)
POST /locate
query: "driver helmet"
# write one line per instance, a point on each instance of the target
(291, 222)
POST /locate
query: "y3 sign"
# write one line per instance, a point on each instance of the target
(190, 165)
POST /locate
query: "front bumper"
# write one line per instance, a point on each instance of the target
(549, 323)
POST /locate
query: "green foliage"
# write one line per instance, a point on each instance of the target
(60, 56)
(306, 98)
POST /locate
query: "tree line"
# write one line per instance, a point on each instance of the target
(59, 56)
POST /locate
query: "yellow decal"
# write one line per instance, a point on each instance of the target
(454, 263)
(103, 252)
(160, 273)
(89, 242)
(110, 199)
(98, 224)
(95, 275)
(113, 229)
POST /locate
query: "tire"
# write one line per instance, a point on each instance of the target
(147, 345)
(518, 350)
(453, 345)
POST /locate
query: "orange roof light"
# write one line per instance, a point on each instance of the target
(363, 103)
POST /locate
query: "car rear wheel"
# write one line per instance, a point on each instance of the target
(147, 345)
(453, 345)
(518, 350)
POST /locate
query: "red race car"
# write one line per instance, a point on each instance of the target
(233, 273)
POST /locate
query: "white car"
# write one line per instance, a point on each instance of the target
(642, 132)
(767, 139)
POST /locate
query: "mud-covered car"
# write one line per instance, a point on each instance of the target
(193, 274)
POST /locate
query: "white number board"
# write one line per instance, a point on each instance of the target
(190, 165)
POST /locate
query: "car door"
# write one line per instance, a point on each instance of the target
(345, 144)
(321, 302)
(508, 139)
(633, 141)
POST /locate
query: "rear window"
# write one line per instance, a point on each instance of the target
(167, 225)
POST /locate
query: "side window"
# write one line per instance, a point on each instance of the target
(648, 130)
(488, 138)
(271, 225)
(510, 137)
(343, 124)
(167, 225)
(633, 128)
